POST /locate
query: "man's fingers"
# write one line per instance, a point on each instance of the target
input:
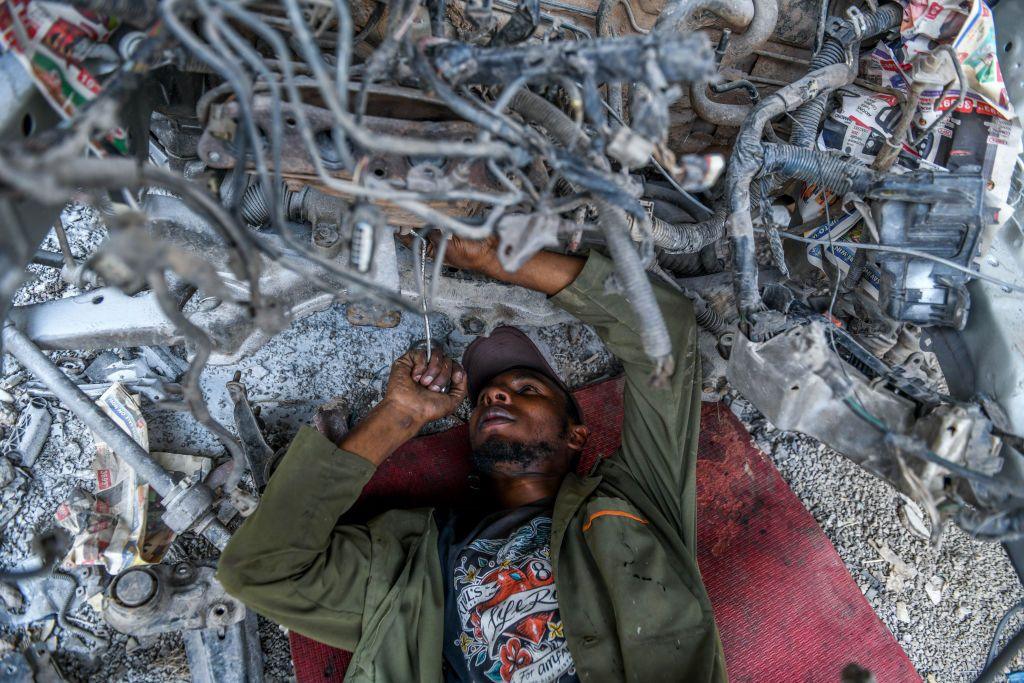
(433, 369)
(458, 388)
(419, 363)
(443, 377)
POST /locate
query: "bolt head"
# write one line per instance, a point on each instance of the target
(325, 236)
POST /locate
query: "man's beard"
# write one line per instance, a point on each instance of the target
(489, 456)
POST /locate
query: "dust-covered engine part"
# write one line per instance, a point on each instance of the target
(915, 289)
(803, 385)
(160, 598)
(832, 184)
(220, 634)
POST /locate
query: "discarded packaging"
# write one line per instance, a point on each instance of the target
(120, 526)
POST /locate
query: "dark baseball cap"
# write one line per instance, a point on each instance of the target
(507, 348)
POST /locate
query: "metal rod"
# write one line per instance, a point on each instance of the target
(65, 246)
(35, 361)
(423, 294)
(781, 57)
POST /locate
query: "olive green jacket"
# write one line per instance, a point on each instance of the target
(622, 541)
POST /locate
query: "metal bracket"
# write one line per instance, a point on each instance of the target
(228, 655)
(258, 454)
(160, 598)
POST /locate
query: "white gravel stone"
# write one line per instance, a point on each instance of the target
(903, 614)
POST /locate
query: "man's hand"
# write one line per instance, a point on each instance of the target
(480, 256)
(546, 272)
(415, 387)
(413, 398)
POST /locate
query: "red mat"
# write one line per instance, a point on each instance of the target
(785, 605)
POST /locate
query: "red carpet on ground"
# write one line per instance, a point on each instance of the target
(785, 605)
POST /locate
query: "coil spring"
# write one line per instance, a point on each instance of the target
(63, 619)
(709, 319)
(254, 206)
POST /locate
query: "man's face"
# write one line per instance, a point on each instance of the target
(522, 409)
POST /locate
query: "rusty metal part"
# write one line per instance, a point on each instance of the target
(34, 431)
(34, 663)
(797, 24)
(928, 74)
(226, 655)
(756, 34)
(162, 598)
(372, 315)
(258, 454)
(759, 30)
(801, 384)
(217, 150)
(186, 505)
(299, 169)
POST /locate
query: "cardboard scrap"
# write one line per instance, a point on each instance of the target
(65, 51)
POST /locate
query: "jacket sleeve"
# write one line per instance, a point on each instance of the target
(660, 425)
(291, 561)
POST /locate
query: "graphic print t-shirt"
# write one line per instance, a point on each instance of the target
(502, 623)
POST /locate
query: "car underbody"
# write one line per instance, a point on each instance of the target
(833, 187)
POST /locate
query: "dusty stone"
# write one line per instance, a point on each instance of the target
(11, 597)
(903, 614)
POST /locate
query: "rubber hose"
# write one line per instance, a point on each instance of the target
(654, 334)
(670, 213)
(690, 15)
(680, 265)
(807, 118)
(666, 193)
(708, 317)
(537, 110)
(886, 17)
(995, 668)
(709, 260)
(766, 15)
(747, 161)
(856, 272)
(637, 288)
(688, 238)
(255, 209)
(821, 168)
(760, 29)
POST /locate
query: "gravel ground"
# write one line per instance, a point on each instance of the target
(947, 640)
